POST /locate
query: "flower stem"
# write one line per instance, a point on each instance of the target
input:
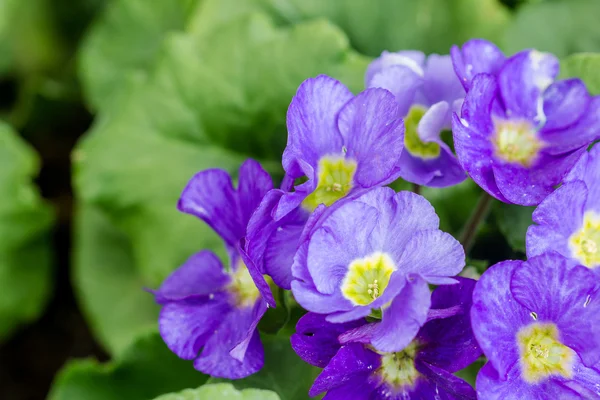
(416, 188)
(479, 214)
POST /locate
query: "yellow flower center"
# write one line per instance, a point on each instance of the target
(335, 181)
(398, 369)
(585, 243)
(542, 354)
(243, 287)
(367, 278)
(412, 141)
(516, 142)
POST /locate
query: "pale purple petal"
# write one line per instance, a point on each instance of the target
(496, 317)
(402, 82)
(441, 82)
(404, 317)
(557, 218)
(253, 183)
(477, 56)
(432, 253)
(548, 286)
(523, 79)
(311, 120)
(373, 134)
(564, 104)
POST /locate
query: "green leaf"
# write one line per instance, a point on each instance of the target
(209, 102)
(453, 204)
(146, 370)
(125, 40)
(561, 27)
(284, 372)
(109, 289)
(585, 66)
(221, 391)
(513, 222)
(377, 25)
(25, 220)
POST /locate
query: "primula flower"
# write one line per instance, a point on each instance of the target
(422, 370)
(568, 221)
(204, 306)
(520, 132)
(538, 323)
(427, 91)
(374, 256)
(339, 145)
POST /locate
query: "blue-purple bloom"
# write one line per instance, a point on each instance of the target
(422, 370)
(520, 131)
(375, 255)
(339, 145)
(427, 92)
(538, 323)
(204, 306)
(568, 220)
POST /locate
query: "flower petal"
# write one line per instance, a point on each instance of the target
(403, 318)
(587, 169)
(253, 183)
(564, 296)
(581, 134)
(201, 275)
(352, 362)
(441, 82)
(216, 359)
(311, 120)
(491, 386)
(496, 317)
(564, 103)
(374, 136)
(402, 81)
(210, 196)
(449, 343)
(431, 254)
(529, 186)
(523, 79)
(441, 384)
(186, 325)
(477, 56)
(557, 218)
(337, 243)
(316, 340)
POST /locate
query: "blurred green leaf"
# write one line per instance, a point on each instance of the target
(453, 204)
(562, 27)
(107, 285)
(145, 370)
(377, 25)
(585, 66)
(221, 391)
(126, 39)
(513, 222)
(210, 101)
(25, 220)
(284, 372)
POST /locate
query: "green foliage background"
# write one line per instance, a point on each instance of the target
(178, 86)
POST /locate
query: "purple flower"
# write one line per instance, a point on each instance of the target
(339, 145)
(204, 306)
(375, 256)
(568, 221)
(427, 91)
(538, 323)
(422, 370)
(520, 132)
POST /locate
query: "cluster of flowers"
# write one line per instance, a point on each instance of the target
(361, 257)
